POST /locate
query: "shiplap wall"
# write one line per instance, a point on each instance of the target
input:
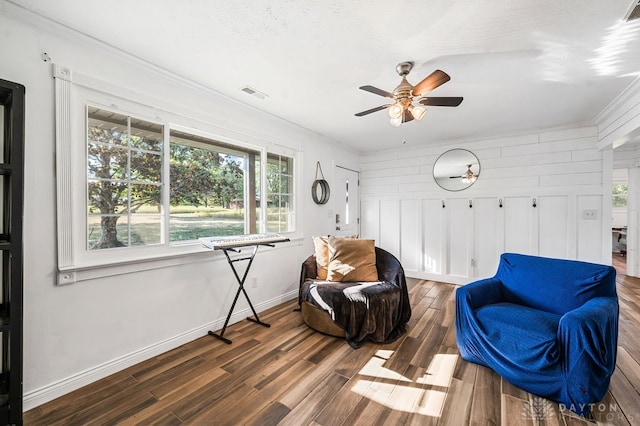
(563, 171)
(627, 157)
(619, 126)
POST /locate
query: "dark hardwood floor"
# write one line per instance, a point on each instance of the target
(619, 262)
(291, 375)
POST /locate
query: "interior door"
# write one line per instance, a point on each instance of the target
(347, 201)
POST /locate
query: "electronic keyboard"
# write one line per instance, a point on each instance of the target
(219, 243)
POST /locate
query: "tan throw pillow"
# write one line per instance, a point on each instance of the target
(321, 251)
(352, 260)
(321, 248)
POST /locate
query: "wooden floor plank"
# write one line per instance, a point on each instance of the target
(80, 399)
(313, 380)
(486, 408)
(223, 410)
(367, 391)
(629, 367)
(290, 374)
(221, 354)
(255, 402)
(423, 355)
(457, 409)
(625, 394)
(202, 398)
(422, 327)
(509, 389)
(353, 361)
(197, 385)
(515, 410)
(270, 416)
(316, 401)
(608, 413)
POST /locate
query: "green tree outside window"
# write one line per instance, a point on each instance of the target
(214, 187)
(619, 197)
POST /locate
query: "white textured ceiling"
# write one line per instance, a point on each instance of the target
(519, 64)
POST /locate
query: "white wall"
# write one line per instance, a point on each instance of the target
(78, 333)
(402, 206)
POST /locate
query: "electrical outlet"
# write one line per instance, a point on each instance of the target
(254, 282)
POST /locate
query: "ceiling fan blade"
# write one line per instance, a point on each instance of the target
(430, 82)
(441, 101)
(377, 91)
(369, 111)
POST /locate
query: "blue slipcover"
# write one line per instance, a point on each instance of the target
(548, 326)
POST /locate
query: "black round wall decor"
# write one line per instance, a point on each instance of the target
(320, 188)
(320, 191)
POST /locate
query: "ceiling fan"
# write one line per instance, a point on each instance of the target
(467, 177)
(402, 109)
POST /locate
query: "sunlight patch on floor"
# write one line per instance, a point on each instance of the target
(427, 402)
(394, 390)
(375, 368)
(440, 370)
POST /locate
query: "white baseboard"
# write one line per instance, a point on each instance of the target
(450, 279)
(34, 398)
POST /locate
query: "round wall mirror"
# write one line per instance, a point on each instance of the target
(456, 169)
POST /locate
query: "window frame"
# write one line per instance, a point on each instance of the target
(73, 95)
(624, 195)
(291, 193)
(130, 149)
(264, 151)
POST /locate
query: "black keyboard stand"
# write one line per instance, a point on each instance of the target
(240, 288)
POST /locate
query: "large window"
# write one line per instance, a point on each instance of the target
(138, 183)
(124, 180)
(139, 196)
(213, 188)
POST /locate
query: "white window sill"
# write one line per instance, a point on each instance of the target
(188, 253)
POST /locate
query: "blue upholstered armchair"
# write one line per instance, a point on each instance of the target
(548, 326)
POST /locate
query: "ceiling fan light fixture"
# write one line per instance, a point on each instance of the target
(418, 112)
(396, 110)
(396, 121)
(402, 110)
(469, 176)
